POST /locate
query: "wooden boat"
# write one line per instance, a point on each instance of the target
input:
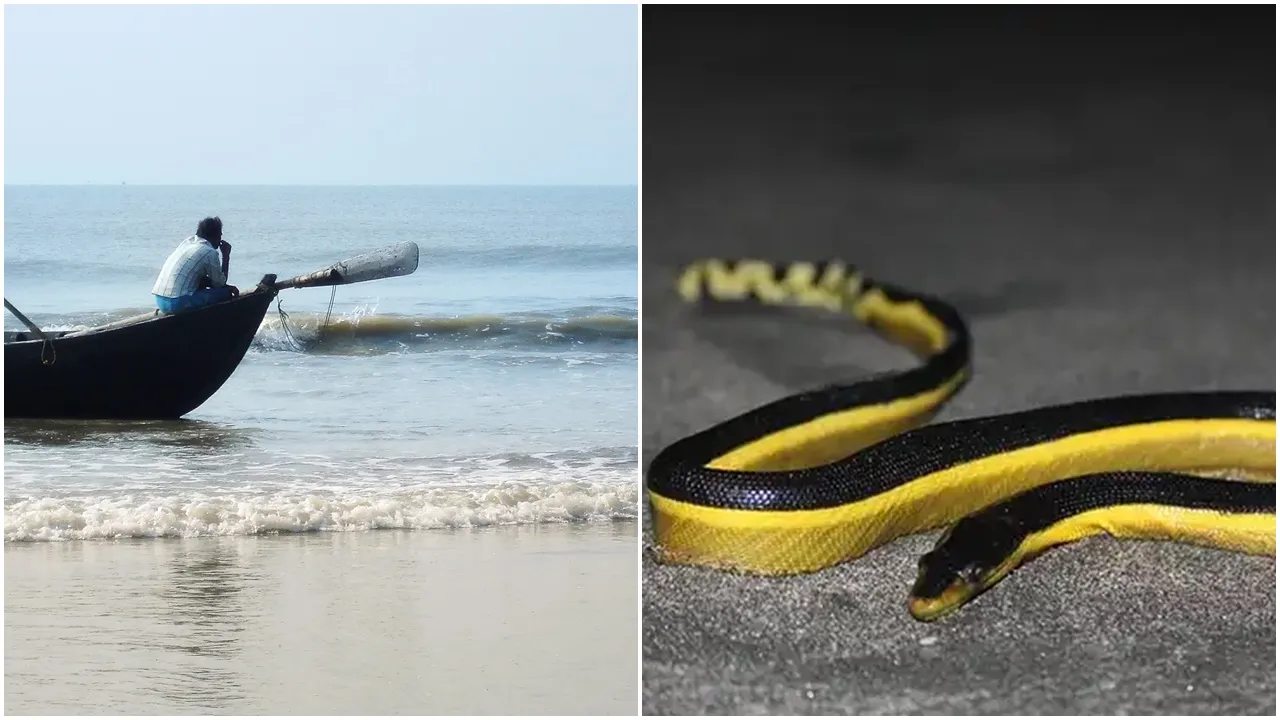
(153, 366)
(157, 366)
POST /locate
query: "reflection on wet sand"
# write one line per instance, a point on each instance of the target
(196, 435)
(202, 601)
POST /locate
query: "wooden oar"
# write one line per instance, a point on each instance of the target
(393, 261)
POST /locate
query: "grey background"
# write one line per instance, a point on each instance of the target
(1101, 207)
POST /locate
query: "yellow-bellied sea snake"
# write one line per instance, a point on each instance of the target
(824, 476)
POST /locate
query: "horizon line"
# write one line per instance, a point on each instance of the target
(344, 185)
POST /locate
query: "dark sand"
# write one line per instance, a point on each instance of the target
(1100, 206)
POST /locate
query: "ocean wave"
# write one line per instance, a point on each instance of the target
(198, 514)
(307, 332)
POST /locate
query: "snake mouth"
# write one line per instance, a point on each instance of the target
(928, 606)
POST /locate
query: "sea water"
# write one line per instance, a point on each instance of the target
(494, 386)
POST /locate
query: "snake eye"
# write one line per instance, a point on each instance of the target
(932, 560)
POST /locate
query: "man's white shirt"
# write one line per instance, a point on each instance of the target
(193, 261)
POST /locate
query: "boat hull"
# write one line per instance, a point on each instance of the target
(159, 368)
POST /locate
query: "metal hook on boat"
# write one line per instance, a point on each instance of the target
(48, 341)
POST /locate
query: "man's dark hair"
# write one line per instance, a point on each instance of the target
(210, 229)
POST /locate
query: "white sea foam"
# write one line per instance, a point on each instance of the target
(194, 514)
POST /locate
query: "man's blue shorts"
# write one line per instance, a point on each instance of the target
(197, 299)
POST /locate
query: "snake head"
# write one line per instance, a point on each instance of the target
(944, 582)
(961, 564)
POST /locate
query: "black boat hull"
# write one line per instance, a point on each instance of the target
(160, 368)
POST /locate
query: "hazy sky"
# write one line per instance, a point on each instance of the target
(320, 94)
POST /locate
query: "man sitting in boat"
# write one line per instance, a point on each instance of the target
(193, 277)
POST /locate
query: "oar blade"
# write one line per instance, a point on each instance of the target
(393, 261)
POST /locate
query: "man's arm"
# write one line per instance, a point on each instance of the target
(217, 275)
(225, 247)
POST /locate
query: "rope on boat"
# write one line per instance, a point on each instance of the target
(328, 314)
(284, 321)
(284, 325)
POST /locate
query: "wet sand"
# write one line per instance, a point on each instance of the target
(508, 620)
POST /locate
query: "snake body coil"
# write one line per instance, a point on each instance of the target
(824, 476)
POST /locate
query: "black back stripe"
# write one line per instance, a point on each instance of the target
(679, 472)
(1041, 508)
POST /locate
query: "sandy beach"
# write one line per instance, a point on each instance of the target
(506, 620)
